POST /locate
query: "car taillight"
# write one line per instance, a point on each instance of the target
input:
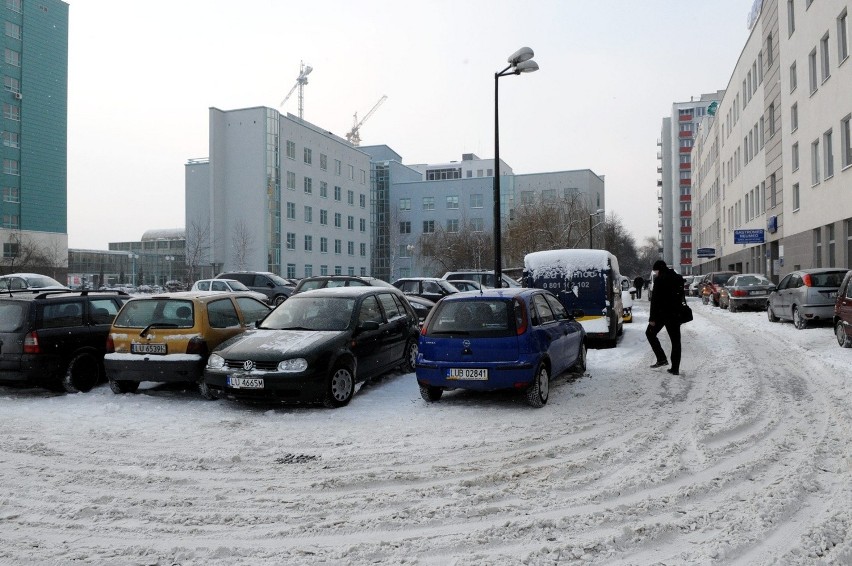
(520, 316)
(197, 346)
(31, 343)
(110, 345)
(740, 293)
(806, 279)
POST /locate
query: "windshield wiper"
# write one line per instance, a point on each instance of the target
(157, 325)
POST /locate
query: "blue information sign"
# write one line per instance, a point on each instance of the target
(749, 236)
(706, 252)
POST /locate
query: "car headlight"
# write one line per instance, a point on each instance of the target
(294, 365)
(215, 361)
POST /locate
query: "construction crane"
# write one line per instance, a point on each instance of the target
(301, 81)
(354, 135)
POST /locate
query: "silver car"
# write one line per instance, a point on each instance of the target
(745, 290)
(805, 295)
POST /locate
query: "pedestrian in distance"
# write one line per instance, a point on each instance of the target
(638, 283)
(665, 313)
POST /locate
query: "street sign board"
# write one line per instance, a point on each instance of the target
(706, 252)
(754, 236)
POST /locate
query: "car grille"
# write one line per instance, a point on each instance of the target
(260, 366)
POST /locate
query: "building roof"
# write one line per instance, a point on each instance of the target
(164, 234)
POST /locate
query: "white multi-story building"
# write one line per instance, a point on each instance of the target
(772, 169)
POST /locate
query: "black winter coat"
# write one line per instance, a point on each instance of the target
(666, 297)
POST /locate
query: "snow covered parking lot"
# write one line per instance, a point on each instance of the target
(742, 459)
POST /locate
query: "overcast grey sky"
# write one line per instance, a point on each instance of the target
(142, 76)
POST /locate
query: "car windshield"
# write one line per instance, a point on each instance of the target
(477, 318)
(751, 281)
(237, 286)
(12, 315)
(165, 313)
(720, 279)
(311, 313)
(827, 279)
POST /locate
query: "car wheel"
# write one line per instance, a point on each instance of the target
(769, 314)
(430, 393)
(580, 365)
(119, 387)
(705, 300)
(341, 387)
(83, 373)
(840, 333)
(206, 392)
(279, 299)
(540, 389)
(798, 321)
(731, 307)
(408, 365)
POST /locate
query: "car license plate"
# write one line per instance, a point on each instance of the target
(757, 292)
(147, 348)
(245, 383)
(466, 373)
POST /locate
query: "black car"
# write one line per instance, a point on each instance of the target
(276, 288)
(317, 346)
(421, 306)
(431, 288)
(56, 339)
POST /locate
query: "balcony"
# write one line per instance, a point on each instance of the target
(685, 166)
(686, 214)
(685, 134)
(685, 118)
(686, 261)
(685, 150)
(685, 198)
(686, 182)
(686, 245)
(686, 229)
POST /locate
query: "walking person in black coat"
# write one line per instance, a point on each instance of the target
(638, 283)
(665, 312)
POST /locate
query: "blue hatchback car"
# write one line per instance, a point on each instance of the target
(510, 338)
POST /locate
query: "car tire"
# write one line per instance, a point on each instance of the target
(409, 364)
(798, 321)
(82, 374)
(340, 387)
(206, 392)
(731, 307)
(120, 386)
(769, 314)
(705, 300)
(580, 365)
(430, 393)
(278, 300)
(840, 333)
(539, 391)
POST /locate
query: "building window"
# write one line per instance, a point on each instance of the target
(11, 167)
(10, 250)
(291, 211)
(818, 247)
(338, 220)
(824, 58)
(11, 139)
(794, 81)
(351, 172)
(815, 162)
(403, 251)
(309, 185)
(13, 57)
(337, 193)
(309, 214)
(812, 71)
(794, 117)
(489, 172)
(453, 202)
(428, 203)
(795, 156)
(791, 18)
(350, 247)
(363, 177)
(308, 156)
(770, 56)
(548, 195)
(443, 174)
(323, 189)
(291, 149)
(291, 270)
(452, 225)
(337, 165)
(477, 224)
(14, 5)
(842, 37)
(476, 200)
(13, 30)
(309, 243)
(350, 222)
(350, 198)
(773, 192)
(363, 224)
(11, 194)
(324, 245)
(830, 236)
(405, 204)
(363, 252)
(828, 154)
(771, 119)
(796, 201)
(291, 241)
(362, 200)
(846, 141)
(428, 226)
(291, 180)
(405, 227)
(338, 247)
(323, 270)
(323, 162)
(309, 270)
(323, 217)
(11, 112)
(12, 84)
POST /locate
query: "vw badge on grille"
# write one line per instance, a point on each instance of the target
(248, 365)
(466, 344)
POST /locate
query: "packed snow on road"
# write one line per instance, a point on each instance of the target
(742, 459)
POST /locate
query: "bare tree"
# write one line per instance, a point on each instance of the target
(197, 248)
(619, 242)
(242, 243)
(468, 248)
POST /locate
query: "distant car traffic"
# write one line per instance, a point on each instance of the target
(499, 339)
(805, 296)
(317, 346)
(747, 290)
(226, 285)
(431, 288)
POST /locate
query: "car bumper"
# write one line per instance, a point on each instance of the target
(817, 312)
(29, 368)
(168, 368)
(755, 302)
(302, 387)
(511, 375)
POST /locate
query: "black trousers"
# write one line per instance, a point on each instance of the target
(638, 292)
(673, 328)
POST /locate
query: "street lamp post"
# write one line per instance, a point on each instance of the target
(597, 213)
(169, 259)
(519, 62)
(133, 258)
(410, 249)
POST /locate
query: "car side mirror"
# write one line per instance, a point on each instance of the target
(368, 325)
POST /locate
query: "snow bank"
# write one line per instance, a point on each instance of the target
(555, 263)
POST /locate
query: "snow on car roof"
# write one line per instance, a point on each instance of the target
(550, 263)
